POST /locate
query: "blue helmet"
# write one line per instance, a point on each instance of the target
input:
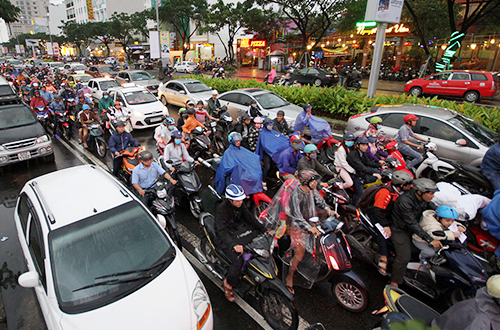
(169, 120)
(310, 148)
(445, 211)
(176, 134)
(235, 192)
(233, 137)
(349, 137)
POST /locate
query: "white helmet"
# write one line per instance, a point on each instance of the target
(493, 286)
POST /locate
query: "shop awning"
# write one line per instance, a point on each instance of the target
(276, 53)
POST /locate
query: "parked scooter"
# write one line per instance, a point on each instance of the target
(260, 274)
(95, 139)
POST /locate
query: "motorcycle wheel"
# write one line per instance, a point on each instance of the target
(258, 209)
(174, 234)
(101, 148)
(278, 310)
(218, 145)
(195, 207)
(458, 295)
(66, 133)
(350, 295)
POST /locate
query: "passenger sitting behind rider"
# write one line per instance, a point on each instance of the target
(439, 220)
(201, 113)
(235, 226)
(191, 122)
(310, 162)
(176, 151)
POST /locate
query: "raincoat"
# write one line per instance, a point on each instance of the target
(320, 129)
(271, 142)
(491, 215)
(244, 168)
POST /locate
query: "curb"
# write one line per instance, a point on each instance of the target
(3, 317)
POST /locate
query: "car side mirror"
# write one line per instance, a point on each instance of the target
(28, 280)
(182, 92)
(439, 233)
(461, 142)
(127, 79)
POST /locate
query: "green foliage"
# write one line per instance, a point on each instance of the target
(411, 325)
(8, 12)
(340, 103)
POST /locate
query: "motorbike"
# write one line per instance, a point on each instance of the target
(95, 139)
(200, 144)
(219, 131)
(163, 208)
(189, 184)
(130, 161)
(42, 114)
(353, 83)
(259, 274)
(62, 124)
(332, 262)
(124, 119)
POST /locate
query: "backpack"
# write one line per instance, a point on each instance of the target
(368, 197)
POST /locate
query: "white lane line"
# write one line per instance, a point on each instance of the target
(88, 154)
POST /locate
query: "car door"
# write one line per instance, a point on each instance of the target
(121, 77)
(175, 96)
(301, 76)
(436, 83)
(458, 83)
(312, 75)
(479, 82)
(391, 123)
(231, 101)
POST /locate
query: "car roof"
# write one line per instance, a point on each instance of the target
(133, 71)
(250, 90)
(79, 75)
(418, 109)
(76, 193)
(127, 89)
(185, 81)
(99, 79)
(468, 71)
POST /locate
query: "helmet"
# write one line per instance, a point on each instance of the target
(118, 123)
(386, 175)
(191, 111)
(268, 121)
(85, 107)
(117, 103)
(445, 211)
(410, 117)
(425, 185)
(281, 112)
(190, 103)
(252, 101)
(176, 134)
(362, 140)
(35, 84)
(306, 176)
(401, 178)
(169, 120)
(214, 92)
(181, 110)
(245, 117)
(105, 93)
(493, 286)
(306, 106)
(349, 137)
(235, 192)
(375, 120)
(233, 137)
(199, 102)
(258, 120)
(57, 96)
(294, 138)
(146, 155)
(310, 148)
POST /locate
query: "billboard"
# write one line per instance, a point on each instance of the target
(32, 42)
(165, 44)
(385, 11)
(55, 47)
(153, 44)
(90, 9)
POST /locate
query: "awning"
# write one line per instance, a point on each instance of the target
(276, 53)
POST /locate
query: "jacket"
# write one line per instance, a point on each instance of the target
(288, 160)
(406, 214)
(281, 126)
(119, 142)
(341, 160)
(429, 224)
(383, 204)
(361, 163)
(253, 138)
(212, 107)
(491, 214)
(38, 102)
(314, 164)
(105, 103)
(91, 116)
(235, 226)
(491, 160)
(190, 124)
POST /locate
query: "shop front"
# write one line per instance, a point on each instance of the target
(251, 52)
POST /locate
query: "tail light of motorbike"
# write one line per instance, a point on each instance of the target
(333, 262)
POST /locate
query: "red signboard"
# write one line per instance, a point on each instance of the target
(248, 43)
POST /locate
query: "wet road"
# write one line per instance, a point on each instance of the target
(315, 305)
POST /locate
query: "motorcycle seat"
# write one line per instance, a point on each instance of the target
(416, 309)
(133, 161)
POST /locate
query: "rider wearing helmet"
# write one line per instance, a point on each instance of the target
(235, 226)
(375, 124)
(439, 220)
(405, 221)
(243, 128)
(254, 111)
(119, 141)
(164, 131)
(280, 124)
(341, 165)
(373, 151)
(176, 151)
(191, 122)
(404, 144)
(105, 102)
(182, 118)
(289, 158)
(366, 169)
(145, 175)
(214, 105)
(254, 132)
(310, 162)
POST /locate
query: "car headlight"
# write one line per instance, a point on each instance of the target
(2, 148)
(41, 139)
(138, 114)
(409, 82)
(201, 304)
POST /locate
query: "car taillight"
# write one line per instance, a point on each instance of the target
(329, 76)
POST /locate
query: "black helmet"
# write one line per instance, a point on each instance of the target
(245, 117)
(401, 178)
(349, 137)
(306, 176)
(146, 155)
(199, 102)
(281, 112)
(306, 106)
(362, 140)
(191, 111)
(425, 185)
(386, 175)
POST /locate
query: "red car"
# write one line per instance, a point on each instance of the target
(471, 85)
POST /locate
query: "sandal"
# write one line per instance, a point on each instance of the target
(381, 268)
(289, 287)
(228, 292)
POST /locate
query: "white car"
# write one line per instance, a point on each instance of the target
(100, 85)
(78, 68)
(144, 108)
(184, 66)
(179, 91)
(110, 60)
(103, 262)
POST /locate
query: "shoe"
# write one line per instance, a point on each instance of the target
(264, 186)
(228, 291)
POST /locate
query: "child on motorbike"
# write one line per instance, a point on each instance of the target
(439, 220)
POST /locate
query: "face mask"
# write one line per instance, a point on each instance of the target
(177, 141)
(296, 146)
(269, 127)
(313, 156)
(349, 144)
(378, 126)
(105, 96)
(171, 128)
(372, 140)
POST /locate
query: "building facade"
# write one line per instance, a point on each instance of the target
(33, 17)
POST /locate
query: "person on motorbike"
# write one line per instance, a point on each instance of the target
(271, 75)
(176, 152)
(254, 132)
(490, 165)
(375, 124)
(307, 124)
(254, 111)
(289, 158)
(201, 113)
(120, 141)
(403, 139)
(405, 221)
(341, 165)
(235, 227)
(80, 95)
(191, 122)
(491, 215)
(37, 101)
(34, 88)
(86, 117)
(243, 128)
(280, 124)
(56, 106)
(68, 93)
(78, 85)
(104, 104)
(145, 175)
(366, 170)
(50, 87)
(163, 132)
(182, 118)
(310, 162)
(46, 95)
(373, 151)
(214, 105)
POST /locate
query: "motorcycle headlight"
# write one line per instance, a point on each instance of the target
(162, 193)
(263, 253)
(201, 304)
(138, 114)
(43, 138)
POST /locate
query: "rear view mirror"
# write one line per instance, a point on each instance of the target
(182, 92)
(28, 280)
(461, 142)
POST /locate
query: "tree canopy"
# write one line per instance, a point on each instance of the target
(8, 12)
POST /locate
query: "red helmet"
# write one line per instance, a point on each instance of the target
(117, 103)
(410, 117)
(294, 138)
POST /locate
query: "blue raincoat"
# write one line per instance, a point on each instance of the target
(244, 168)
(271, 142)
(491, 214)
(320, 129)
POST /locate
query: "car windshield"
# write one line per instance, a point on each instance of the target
(197, 87)
(140, 76)
(15, 62)
(56, 64)
(482, 134)
(15, 117)
(5, 90)
(271, 100)
(105, 85)
(79, 67)
(107, 69)
(139, 97)
(84, 78)
(100, 259)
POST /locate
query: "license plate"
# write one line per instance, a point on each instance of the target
(154, 120)
(24, 155)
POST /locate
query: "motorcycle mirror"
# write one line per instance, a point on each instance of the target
(439, 233)
(461, 142)
(170, 161)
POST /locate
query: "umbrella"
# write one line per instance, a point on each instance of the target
(276, 53)
(251, 53)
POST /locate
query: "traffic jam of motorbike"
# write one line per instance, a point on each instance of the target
(297, 205)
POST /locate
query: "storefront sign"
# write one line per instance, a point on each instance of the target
(398, 29)
(247, 43)
(387, 11)
(90, 9)
(445, 63)
(335, 52)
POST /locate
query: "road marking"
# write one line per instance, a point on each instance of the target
(88, 154)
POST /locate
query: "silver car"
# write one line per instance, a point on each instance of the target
(179, 91)
(238, 103)
(139, 78)
(458, 137)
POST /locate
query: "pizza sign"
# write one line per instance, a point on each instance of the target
(247, 43)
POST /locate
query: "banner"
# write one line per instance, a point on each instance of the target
(335, 52)
(32, 42)
(22, 49)
(18, 49)
(165, 44)
(55, 47)
(153, 44)
(90, 9)
(50, 50)
(386, 11)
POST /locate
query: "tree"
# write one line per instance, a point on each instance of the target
(76, 33)
(40, 36)
(138, 22)
(120, 28)
(99, 30)
(8, 12)
(178, 13)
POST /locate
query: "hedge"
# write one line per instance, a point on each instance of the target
(337, 102)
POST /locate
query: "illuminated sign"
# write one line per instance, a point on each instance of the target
(397, 29)
(90, 9)
(445, 63)
(366, 24)
(247, 43)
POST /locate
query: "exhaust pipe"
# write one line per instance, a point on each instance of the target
(205, 262)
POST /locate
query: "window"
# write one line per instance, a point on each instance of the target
(119, 98)
(440, 76)
(23, 210)
(479, 76)
(437, 129)
(91, 84)
(173, 86)
(394, 120)
(460, 76)
(303, 71)
(36, 247)
(233, 97)
(313, 71)
(245, 99)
